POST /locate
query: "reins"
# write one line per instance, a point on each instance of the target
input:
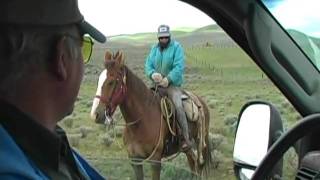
(128, 124)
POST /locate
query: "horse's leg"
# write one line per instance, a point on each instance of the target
(193, 165)
(138, 170)
(192, 160)
(156, 169)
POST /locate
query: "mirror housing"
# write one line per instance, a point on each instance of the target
(259, 126)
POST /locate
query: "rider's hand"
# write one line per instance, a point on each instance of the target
(157, 77)
(164, 82)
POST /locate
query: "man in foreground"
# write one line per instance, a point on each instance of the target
(42, 54)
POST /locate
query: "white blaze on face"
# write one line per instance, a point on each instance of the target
(102, 78)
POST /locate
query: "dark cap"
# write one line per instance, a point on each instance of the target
(47, 13)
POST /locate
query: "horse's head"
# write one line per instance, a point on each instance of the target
(112, 88)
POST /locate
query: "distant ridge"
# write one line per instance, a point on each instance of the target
(187, 36)
(176, 31)
(208, 28)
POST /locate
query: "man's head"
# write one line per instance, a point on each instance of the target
(41, 45)
(46, 13)
(164, 35)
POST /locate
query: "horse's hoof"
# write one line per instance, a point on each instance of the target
(185, 147)
(201, 160)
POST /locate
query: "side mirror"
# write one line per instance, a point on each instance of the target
(259, 126)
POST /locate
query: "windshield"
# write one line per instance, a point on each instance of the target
(301, 20)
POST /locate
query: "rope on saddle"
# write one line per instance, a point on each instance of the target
(167, 112)
(170, 158)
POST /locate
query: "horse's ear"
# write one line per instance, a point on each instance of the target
(108, 55)
(121, 58)
(115, 56)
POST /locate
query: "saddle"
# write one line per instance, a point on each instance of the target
(194, 113)
(190, 102)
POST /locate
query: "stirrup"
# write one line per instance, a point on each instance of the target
(185, 147)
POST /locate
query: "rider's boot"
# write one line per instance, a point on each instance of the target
(186, 143)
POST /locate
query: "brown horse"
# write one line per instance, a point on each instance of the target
(146, 133)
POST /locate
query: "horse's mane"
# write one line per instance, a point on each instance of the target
(135, 81)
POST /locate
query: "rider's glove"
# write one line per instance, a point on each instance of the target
(164, 82)
(156, 77)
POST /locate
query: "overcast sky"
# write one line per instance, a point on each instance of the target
(114, 17)
(297, 14)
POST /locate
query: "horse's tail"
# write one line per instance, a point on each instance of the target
(206, 151)
(207, 164)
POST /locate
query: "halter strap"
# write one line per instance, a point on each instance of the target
(118, 93)
(101, 98)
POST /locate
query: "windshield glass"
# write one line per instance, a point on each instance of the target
(301, 20)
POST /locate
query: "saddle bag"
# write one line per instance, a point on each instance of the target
(191, 106)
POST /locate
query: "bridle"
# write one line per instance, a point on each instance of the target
(118, 93)
(117, 96)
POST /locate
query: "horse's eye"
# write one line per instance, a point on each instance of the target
(110, 83)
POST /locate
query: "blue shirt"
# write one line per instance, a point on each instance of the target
(30, 151)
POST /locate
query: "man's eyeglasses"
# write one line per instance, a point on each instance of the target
(87, 46)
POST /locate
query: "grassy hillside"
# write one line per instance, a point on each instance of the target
(310, 45)
(209, 28)
(211, 34)
(216, 69)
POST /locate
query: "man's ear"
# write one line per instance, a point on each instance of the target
(59, 67)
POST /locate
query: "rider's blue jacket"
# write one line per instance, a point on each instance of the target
(169, 62)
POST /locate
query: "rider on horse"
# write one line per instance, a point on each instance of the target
(165, 67)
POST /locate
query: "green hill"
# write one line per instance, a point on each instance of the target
(310, 45)
(188, 37)
(210, 28)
